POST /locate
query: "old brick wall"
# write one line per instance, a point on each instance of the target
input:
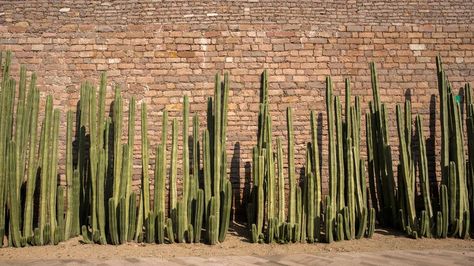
(162, 50)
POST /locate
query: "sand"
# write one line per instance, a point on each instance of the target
(235, 244)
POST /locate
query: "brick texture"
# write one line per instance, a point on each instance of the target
(162, 50)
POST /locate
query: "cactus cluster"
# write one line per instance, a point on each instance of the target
(98, 202)
(118, 216)
(456, 171)
(398, 201)
(350, 215)
(345, 213)
(28, 163)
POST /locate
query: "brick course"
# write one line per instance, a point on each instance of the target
(162, 50)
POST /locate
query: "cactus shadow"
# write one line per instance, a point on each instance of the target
(302, 178)
(408, 95)
(246, 192)
(240, 230)
(389, 232)
(431, 148)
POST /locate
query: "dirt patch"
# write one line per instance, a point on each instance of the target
(235, 244)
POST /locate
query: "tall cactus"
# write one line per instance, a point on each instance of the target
(174, 161)
(145, 193)
(186, 180)
(160, 168)
(332, 161)
(47, 126)
(407, 171)
(316, 176)
(291, 167)
(32, 160)
(424, 179)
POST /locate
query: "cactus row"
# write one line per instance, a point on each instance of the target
(98, 201)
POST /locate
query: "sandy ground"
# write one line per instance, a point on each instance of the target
(235, 244)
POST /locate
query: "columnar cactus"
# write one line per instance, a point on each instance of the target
(380, 165)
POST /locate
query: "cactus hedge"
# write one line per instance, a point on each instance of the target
(192, 202)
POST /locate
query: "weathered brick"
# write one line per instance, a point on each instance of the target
(355, 28)
(37, 47)
(186, 54)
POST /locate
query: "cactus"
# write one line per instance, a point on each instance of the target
(145, 195)
(206, 173)
(212, 229)
(271, 231)
(32, 158)
(439, 224)
(350, 210)
(329, 221)
(270, 166)
(132, 210)
(150, 228)
(371, 227)
(444, 211)
(332, 162)
(44, 169)
(13, 195)
(160, 228)
(316, 177)
(291, 167)
(189, 233)
(289, 232)
(160, 168)
(226, 206)
(69, 178)
(199, 212)
(340, 227)
(122, 221)
(113, 225)
(423, 169)
(260, 195)
(310, 208)
(180, 220)
(407, 171)
(196, 147)
(470, 147)
(362, 224)
(60, 214)
(169, 230)
(281, 183)
(216, 152)
(174, 162)
(254, 233)
(186, 179)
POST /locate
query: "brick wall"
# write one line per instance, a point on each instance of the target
(162, 50)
